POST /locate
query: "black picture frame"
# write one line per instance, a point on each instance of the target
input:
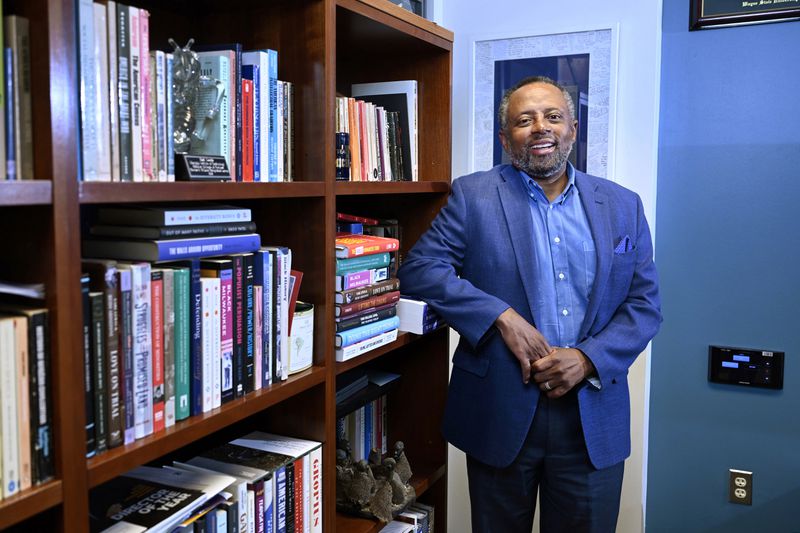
(705, 14)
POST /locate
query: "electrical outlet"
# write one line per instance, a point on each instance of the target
(740, 487)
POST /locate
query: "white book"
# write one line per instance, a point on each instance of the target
(168, 62)
(8, 409)
(142, 344)
(267, 61)
(415, 316)
(23, 400)
(207, 335)
(251, 511)
(222, 520)
(113, 96)
(281, 138)
(145, 94)
(360, 348)
(102, 116)
(315, 486)
(135, 71)
(390, 95)
(86, 73)
(238, 488)
(216, 342)
(395, 526)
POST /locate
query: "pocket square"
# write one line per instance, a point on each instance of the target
(624, 245)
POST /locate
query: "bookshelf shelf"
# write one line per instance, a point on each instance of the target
(119, 460)
(403, 338)
(29, 503)
(422, 479)
(99, 193)
(28, 192)
(352, 188)
(382, 19)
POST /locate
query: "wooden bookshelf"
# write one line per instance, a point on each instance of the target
(324, 46)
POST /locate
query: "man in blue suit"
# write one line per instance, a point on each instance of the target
(547, 274)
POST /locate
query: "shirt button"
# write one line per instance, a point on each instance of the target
(557, 240)
(560, 275)
(564, 312)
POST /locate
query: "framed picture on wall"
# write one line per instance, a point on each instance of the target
(583, 62)
(706, 14)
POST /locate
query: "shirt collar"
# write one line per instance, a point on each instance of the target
(538, 193)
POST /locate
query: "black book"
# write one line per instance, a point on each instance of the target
(239, 303)
(98, 336)
(249, 323)
(91, 445)
(362, 319)
(173, 232)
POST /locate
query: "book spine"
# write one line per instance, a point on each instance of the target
(269, 505)
(169, 347)
(206, 246)
(290, 497)
(362, 293)
(144, 108)
(226, 333)
(33, 397)
(157, 347)
(196, 344)
(280, 497)
(238, 325)
(163, 129)
(249, 324)
(290, 130)
(353, 280)
(123, 72)
(88, 382)
(8, 410)
(315, 490)
(101, 118)
(183, 342)
(352, 336)
(252, 73)
(206, 373)
(280, 131)
(360, 348)
(258, 489)
(247, 130)
(272, 81)
(345, 266)
(20, 325)
(299, 499)
(10, 112)
(136, 94)
(142, 343)
(258, 326)
(216, 344)
(113, 359)
(88, 82)
(113, 90)
(251, 510)
(365, 318)
(42, 421)
(126, 348)
(3, 99)
(98, 370)
(170, 151)
(345, 310)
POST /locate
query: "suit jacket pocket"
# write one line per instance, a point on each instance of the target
(468, 360)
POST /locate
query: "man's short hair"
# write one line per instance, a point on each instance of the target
(502, 110)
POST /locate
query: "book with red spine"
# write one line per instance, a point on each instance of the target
(353, 245)
(247, 130)
(373, 303)
(346, 217)
(157, 318)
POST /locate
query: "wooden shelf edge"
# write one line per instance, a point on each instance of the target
(401, 19)
(121, 459)
(421, 482)
(352, 188)
(30, 502)
(26, 192)
(98, 193)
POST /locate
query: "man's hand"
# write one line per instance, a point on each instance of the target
(561, 370)
(524, 340)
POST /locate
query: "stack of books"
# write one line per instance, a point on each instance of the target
(165, 340)
(367, 293)
(416, 518)
(26, 419)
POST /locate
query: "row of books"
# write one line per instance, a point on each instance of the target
(415, 518)
(128, 103)
(367, 290)
(261, 483)
(376, 132)
(16, 127)
(26, 420)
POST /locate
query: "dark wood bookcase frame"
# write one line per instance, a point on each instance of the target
(324, 46)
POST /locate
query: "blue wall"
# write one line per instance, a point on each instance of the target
(728, 252)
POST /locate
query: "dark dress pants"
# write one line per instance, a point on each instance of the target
(574, 496)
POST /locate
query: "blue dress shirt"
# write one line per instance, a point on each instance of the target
(566, 262)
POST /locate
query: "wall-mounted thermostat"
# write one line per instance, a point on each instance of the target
(740, 366)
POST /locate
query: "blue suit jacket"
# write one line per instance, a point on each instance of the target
(476, 260)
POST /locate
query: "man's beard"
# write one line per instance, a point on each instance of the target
(544, 167)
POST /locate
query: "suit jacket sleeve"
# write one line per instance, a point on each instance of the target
(432, 268)
(614, 345)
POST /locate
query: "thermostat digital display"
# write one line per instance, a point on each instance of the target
(739, 366)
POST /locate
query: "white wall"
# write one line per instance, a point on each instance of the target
(634, 154)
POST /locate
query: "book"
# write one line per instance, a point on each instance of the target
(361, 293)
(88, 90)
(266, 89)
(354, 264)
(171, 216)
(372, 303)
(416, 316)
(123, 100)
(351, 245)
(222, 268)
(157, 347)
(141, 329)
(125, 343)
(9, 425)
(364, 346)
(214, 136)
(98, 354)
(9, 116)
(88, 388)
(168, 275)
(364, 318)
(3, 97)
(135, 66)
(172, 232)
(352, 336)
(252, 72)
(362, 278)
(170, 249)
(25, 290)
(400, 97)
(148, 498)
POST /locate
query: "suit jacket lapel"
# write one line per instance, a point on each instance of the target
(514, 199)
(596, 207)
